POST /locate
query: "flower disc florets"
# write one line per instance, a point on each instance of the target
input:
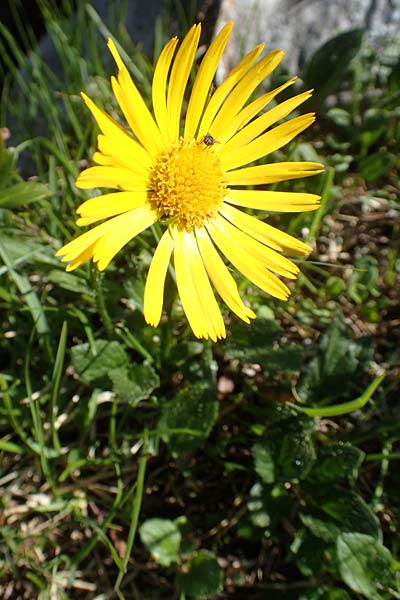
(186, 184)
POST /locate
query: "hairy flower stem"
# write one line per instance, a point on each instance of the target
(101, 304)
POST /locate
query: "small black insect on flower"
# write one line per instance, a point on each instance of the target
(208, 139)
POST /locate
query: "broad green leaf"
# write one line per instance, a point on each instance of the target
(324, 530)
(332, 372)
(194, 410)
(134, 383)
(328, 65)
(296, 455)
(93, 364)
(22, 193)
(246, 343)
(264, 462)
(184, 351)
(259, 345)
(365, 565)
(347, 509)
(162, 538)
(375, 122)
(337, 461)
(204, 578)
(267, 505)
(340, 117)
(309, 553)
(376, 165)
(69, 281)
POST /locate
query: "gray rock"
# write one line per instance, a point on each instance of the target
(300, 27)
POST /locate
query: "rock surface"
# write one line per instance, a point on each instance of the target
(300, 27)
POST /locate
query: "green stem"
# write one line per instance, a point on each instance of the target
(101, 304)
(328, 178)
(386, 451)
(55, 384)
(345, 407)
(136, 506)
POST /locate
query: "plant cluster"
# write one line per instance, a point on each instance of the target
(139, 462)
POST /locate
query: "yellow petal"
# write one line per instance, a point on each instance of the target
(226, 86)
(273, 201)
(261, 124)
(155, 281)
(125, 227)
(102, 242)
(228, 129)
(117, 135)
(109, 205)
(198, 300)
(272, 173)
(179, 77)
(133, 106)
(83, 257)
(159, 87)
(269, 258)
(265, 144)
(74, 249)
(111, 177)
(221, 278)
(203, 81)
(246, 87)
(272, 237)
(246, 262)
(136, 112)
(122, 156)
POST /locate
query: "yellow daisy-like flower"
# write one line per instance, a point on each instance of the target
(193, 179)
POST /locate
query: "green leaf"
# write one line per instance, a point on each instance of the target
(268, 506)
(204, 577)
(264, 462)
(248, 343)
(337, 461)
(374, 124)
(181, 353)
(135, 383)
(365, 565)
(71, 282)
(332, 372)
(347, 509)
(297, 455)
(162, 538)
(309, 553)
(93, 363)
(22, 193)
(324, 530)
(375, 166)
(22, 250)
(259, 344)
(7, 164)
(340, 117)
(30, 297)
(326, 69)
(6, 446)
(193, 410)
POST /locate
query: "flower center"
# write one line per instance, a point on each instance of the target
(186, 184)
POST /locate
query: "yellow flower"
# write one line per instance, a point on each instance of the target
(192, 179)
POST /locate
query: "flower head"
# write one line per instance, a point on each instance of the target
(192, 178)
